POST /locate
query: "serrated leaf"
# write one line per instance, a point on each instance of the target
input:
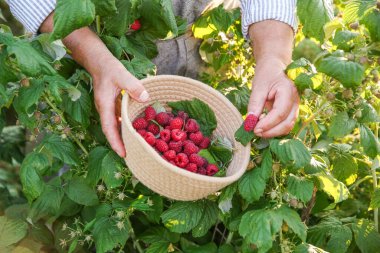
(301, 188)
(341, 125)
(372, 21)
(11, 231)
(225, 199)
(293, 220)
(291, 150)
(119, 23)
(78, 191)
(369, 114)
(7, 74)
(209, 218)
(159, 234)
(199, 111)
(345, 168)
(355, 9)
(181, 217)
(369, 142)
(104, 7)
(350, 74)
(158, 247)
(334, 188)
(55, 49)
(61, 149)
(207, 248)
(314, 15)
(140, 67)
(243, 136)
(307, 248)
(342, 39)
(375, 199)
(366, 237)
(79, 109)
(70, 15)
(107, 235)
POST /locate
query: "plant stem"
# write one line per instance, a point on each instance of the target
(359, 182)
(136, 242)
(279, 199)
(98, 24)
(309, 120)
(229, 237)
(375, 210)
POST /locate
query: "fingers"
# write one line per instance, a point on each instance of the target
(283, 102)
(257, 100)
(134, 87)
(106, 109)
(284, 127)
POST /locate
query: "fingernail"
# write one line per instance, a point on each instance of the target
(144, 96)
(250, 113)
(258, 131)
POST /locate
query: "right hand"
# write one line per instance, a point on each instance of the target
(108, 83)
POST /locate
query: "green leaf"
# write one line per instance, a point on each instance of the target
(332, 187)
(375, 199)
(73, 246)
(28, 96)
(291, 150)
(70, 15)
(61, 149)
(243, 136)
(11, 231)
(55, 49)
(341, 125)
(372, 21)
(369, 114)
(181, 217)
(140, 67)
(207, 248)
(343, 39)
(314, 14)
(119, 23)
(301, 188)
(158, 247)
(366, 237)
(307, 248)
(32, 166)
(78, 191)
(30, 62)
(225, 199)
(369, 142)
(345, 168)
(303, 81)
(209, 218)
(113, 44)
(7, 74)
(156, 209)
(199, 111)
(293, 220)
(355, 9)
(105, 7)
(159, 238)
(80, 110)
(350, 74)
(107, 235)
(252, 184)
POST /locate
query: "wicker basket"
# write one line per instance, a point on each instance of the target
(159, 175)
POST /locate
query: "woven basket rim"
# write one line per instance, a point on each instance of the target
(150, 151)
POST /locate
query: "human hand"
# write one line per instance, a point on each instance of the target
(274, 91)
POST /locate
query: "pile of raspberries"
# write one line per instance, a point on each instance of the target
(177, 138)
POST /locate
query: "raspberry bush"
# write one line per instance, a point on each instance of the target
(315, 190)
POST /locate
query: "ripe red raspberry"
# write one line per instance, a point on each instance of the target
(149, 137)
(176, 123)
(192, 167)
(211, 169)
(136, 25)
(196, 137)
(190, 148)
(176, 146)
(186, 142)
(165, 135)
(178, 135)
(153, 128)
(197, 159)
(150, 113)
(250, 122)
(192, 126)
(162, 118)
(183, 115)
(142, 132)
(173, 162)
(204, 143)
(170, 155)
(181, 160)
(202, 171)
(161, 146)
(139, 123)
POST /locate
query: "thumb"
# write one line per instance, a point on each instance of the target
(257, 101)
(134, 88)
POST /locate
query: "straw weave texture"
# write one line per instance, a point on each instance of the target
(159, 175)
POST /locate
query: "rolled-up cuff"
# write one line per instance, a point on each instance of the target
(31, 13)
(254, 11)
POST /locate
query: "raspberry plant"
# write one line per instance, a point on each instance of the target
(315, 190)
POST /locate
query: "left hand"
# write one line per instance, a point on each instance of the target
(273, 90)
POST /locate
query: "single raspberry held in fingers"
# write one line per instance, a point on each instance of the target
(165, 135)
(142, 132)
(140, 123)
(183, 115)
(153, 128)
(190, 148)
(204, 143)
(181, 160)
(176, 123)
(176, 146)
(250, 122)
(161, 146)
(150, 113)
(178, 135)
(196, 137)
(192, 167)
(135, 26)
(212, 169)
(192, 126)
(149, 137)
(197, 159)
(170, 155)
(162, 118)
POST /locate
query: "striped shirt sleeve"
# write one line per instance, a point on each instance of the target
(31, 13)
(254, 11)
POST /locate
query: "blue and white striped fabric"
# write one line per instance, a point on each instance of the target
(32, 13)
(254, 11)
